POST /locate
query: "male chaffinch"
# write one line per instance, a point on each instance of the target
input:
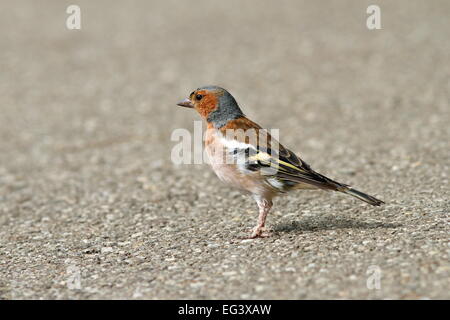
(245, 156)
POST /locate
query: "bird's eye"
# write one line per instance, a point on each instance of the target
(199, 97)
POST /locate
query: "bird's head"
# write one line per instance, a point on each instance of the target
(215, 104)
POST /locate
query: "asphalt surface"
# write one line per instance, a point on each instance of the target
(92, 207)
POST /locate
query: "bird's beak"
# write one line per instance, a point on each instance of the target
(185, 103)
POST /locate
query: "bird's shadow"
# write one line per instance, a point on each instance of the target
(330, 223)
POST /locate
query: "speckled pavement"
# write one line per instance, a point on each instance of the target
(91, 206)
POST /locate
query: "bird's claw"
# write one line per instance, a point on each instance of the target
(258, 232)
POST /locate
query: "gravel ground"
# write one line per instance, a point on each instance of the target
(91, 206)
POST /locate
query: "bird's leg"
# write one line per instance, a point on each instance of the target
(264, 206)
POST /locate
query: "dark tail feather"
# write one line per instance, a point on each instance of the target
(362, 196)
(320, 181)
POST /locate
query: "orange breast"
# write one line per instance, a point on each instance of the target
(229, 172)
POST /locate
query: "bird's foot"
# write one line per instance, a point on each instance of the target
(259, 232)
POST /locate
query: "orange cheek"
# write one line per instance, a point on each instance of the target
(207, 105)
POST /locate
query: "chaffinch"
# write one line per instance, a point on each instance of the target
(245, 156)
